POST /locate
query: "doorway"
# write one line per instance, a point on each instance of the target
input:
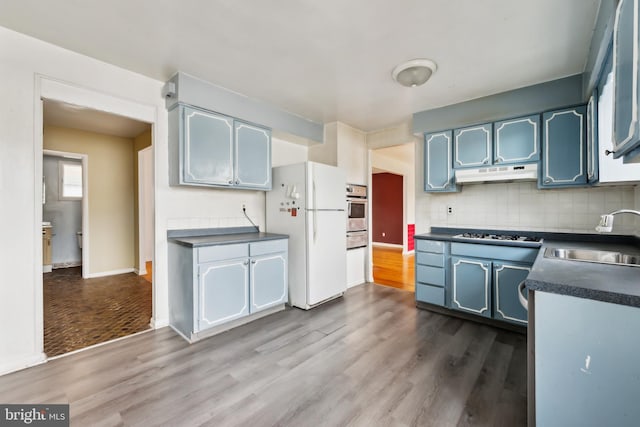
(104, 297)
(392, 216)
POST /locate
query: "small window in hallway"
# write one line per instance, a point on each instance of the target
(70, 181)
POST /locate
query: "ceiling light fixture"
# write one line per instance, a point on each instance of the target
(415, 72)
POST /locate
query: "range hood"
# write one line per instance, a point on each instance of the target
(528, 172)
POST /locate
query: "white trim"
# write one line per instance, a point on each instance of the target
(142, 212)
(23, 362)
(486, 286)
(535, 140)
(49, 88)
(459, 132)
(387, 245)
(497, 278)
(110, 273)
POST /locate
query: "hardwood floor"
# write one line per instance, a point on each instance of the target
(368, 359)
(392, 268)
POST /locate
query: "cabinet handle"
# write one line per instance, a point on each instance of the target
(607, 152)
(547, 181)
(246, 263)
(230, 182)
(253, 261)
(237, 182)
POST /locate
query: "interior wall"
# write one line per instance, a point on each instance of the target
(24, 60)
(65, 216)
(110, 191)
(387, 208)
(140, 142)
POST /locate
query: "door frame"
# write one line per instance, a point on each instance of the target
(53, 89)
(142, 208)
(85, 201)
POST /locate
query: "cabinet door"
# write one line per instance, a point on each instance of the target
(470, 283)
(253, 156)
(223, 292)
(268, 281)
(438, 174)
(506, 278)
(472, 146)
(626, 133)
(592, 139)
(207, 148)
(517, 140)
(564, 148)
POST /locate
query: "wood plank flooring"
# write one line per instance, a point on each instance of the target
(368, 359)
(392, 268)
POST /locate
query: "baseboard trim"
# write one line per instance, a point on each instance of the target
(387, 245)
(23, 363)
(140, 272)
(109, 273)
(67, 264)
(157, 324)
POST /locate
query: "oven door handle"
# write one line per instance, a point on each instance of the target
(348, 209)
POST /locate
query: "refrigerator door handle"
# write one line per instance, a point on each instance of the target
(315, 225)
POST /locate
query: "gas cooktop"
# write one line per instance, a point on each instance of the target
(487, 236)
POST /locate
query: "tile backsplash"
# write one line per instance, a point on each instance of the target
(521, 206)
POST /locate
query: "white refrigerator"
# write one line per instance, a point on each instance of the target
(308, 203)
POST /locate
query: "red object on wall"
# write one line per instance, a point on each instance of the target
(387, 192)
(411, 231)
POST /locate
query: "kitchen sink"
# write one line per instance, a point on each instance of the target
(587, 255)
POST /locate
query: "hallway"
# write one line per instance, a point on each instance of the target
(79, 313)
(392, 268)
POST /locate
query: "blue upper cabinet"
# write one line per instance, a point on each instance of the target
(516, 140)
(472, 146)
(253, 156)
(564, 148)
(592, 139)
(438, 174)
(626, 129)
(207, 148)
(214, 150)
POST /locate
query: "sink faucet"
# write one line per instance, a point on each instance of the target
(606, 221)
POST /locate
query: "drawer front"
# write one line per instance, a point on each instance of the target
(431, 275)
(509, 253)
(427, 258)
(430, 294)
(429, 246)
(268, 247)
(222, 252)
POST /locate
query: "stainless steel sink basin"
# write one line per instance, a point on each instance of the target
(587, 255)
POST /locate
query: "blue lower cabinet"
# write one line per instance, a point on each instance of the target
(506, 279)
(268, 281)
(224, 292)
(471, 286)
(430, 294)
(564, 150)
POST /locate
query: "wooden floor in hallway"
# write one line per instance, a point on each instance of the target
(392, 268)
(367, 359)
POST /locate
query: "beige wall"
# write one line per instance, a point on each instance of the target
(110, 191)
(139, 142)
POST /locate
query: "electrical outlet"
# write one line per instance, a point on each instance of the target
(384, 234)
(449, 209)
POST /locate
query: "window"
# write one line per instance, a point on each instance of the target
(70, 180)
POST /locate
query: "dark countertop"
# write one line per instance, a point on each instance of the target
(604, 282)
(215, 237)
(616, 284)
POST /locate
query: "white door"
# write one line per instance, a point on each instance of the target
(326, 255)
(326, 187)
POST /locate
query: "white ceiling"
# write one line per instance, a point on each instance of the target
(326, 60)
(71, 116)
